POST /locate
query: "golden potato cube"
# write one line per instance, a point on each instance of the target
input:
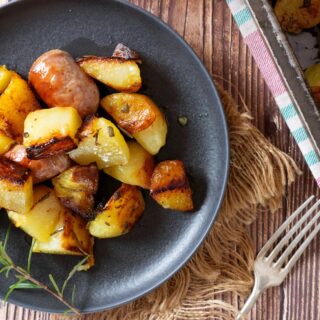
(132, 112)
(170, 186)
(76, 187)
(312, 75)
(119, 214)
(137, 171)
(48, 132)
(16, 191)
(71, 237)
(41, 221)
(140, 117)
(5, 143)
(16, 101)
(295, 15)
(119, 74)
(100, 142)
(5, 78)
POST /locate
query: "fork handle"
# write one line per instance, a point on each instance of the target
(255, 294)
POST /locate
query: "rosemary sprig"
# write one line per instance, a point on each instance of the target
(26, 281)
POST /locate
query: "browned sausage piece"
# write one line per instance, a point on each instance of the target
(43, 169)
(60, 82)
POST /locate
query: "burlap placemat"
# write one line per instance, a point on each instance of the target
(222, 267)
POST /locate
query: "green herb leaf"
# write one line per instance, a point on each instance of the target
(30, 255)
(55, 285)
(7, 237)
(72, 272)
(12, 288)
(73, 294)
(25, 284)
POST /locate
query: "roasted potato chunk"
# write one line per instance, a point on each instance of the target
(119, 214)
(16, 101)
(137, 171)
(170, 186)
(70, 237)
(133, 112)
(5, 143)
(16, 191)
(5, 78)
(117, 73)
(140, 117)
(296, 15)
(100, 142)
(312, 75)
(41, 220)
(76, 188)
(48, 132)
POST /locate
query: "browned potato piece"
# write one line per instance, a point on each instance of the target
(48, 132)
(100, 142)
(71, 237)
(140, 117)
(170, 186)
(16, 101)
(42, 218)
(296, 15)
(119, 74)
(119, 214)
(76, 187)
(137, 171)
(312, 75)
(133, 112)
(16, 191)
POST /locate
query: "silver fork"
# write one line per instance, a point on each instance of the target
(270, 273)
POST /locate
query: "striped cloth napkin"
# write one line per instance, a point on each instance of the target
(265, 61)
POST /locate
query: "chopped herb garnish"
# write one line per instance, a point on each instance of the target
(110, 132)
(183, 121)
(26, 134)
(96, 137)
(125, 108)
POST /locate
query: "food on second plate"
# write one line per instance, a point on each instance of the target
(118, 73)
(170, 186)
(16, 101)
(119, 214)
(312, 75)
(16, 192)
(138, 170)
(60, 82)
(48, 132)
(140, 117)
(41, 220)
(76, 188)
(296, 15)
(43, 169)
(70, 237)
(100, 142)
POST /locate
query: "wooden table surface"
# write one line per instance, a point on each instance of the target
(208, 27)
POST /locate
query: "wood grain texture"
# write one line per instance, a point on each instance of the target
(208, 27)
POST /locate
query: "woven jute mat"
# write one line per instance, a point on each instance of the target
(221, 270)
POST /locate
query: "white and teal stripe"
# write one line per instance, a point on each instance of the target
(264, 59)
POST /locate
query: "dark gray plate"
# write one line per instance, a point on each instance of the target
(162, 241)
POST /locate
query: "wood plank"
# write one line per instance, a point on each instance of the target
(208, 27)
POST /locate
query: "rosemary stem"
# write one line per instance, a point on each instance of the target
(28, 277)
